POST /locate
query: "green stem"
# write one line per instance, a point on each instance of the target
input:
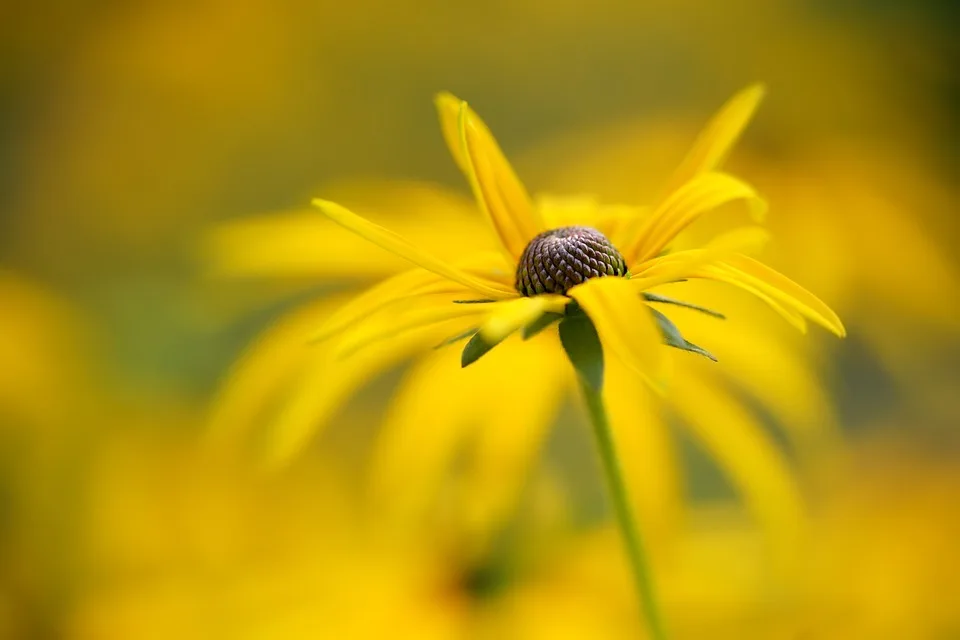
(624, 512)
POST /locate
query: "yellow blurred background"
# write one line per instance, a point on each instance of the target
(131, 132)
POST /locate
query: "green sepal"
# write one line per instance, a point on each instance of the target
(582, 346)
(540, 324)
(672, 336)
(655, 297)
(475, 349)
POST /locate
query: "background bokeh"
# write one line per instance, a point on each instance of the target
(128, 131)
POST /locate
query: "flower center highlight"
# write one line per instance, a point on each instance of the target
(560, 259)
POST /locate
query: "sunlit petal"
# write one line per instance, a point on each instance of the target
(392, 242)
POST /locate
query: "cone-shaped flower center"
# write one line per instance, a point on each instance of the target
(559, 259)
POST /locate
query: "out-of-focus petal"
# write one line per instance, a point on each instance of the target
(444, 436)
(646, 449)
(739, 444)
(717, 139)
(701, 194)
(419, 312)
(372, 300)
(270, 363)
(392, 242)
(326, 382)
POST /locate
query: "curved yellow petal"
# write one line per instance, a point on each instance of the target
(327, 382)
(502, 460)
(267, 366)
(645, 444)
(510, 316)
(392, 242)
(372, 300)
(448, 109)
(443, 437)
(739, 444)
(703, 193)
(624, 323)
(420, 312)
(775, 288)
(684, 264)
(718, 137)
(499, 192)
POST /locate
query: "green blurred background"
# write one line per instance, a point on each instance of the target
(128, 129)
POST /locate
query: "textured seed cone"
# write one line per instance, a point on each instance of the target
(559, 259)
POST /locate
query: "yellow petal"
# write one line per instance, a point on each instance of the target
(327, 382)
(739, 444)
(507, 317)
(700, 195)
(503, 460)
(448, 108)
(290, 245)
(624, 323)
(372, 300)
(501, 195)
(778, 375)
(684, 264)
(268, 365)
(453, 447)
(420, 312)
(644, 442)
(392, 242)
(717, 139)
(775, 288)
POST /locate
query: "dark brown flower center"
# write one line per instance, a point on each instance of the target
(559, 259)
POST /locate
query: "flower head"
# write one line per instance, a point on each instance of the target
(466, 288)
(558, 263)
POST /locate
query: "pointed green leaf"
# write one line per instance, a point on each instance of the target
(672, 336)
(540, 324)
(655, 297)
(582, 345)
(475, 349)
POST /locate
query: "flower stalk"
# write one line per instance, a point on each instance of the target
(626, 520)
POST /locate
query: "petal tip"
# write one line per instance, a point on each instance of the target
(446, 101)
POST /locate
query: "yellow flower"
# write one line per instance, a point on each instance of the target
(556, 259)
(500, 407)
